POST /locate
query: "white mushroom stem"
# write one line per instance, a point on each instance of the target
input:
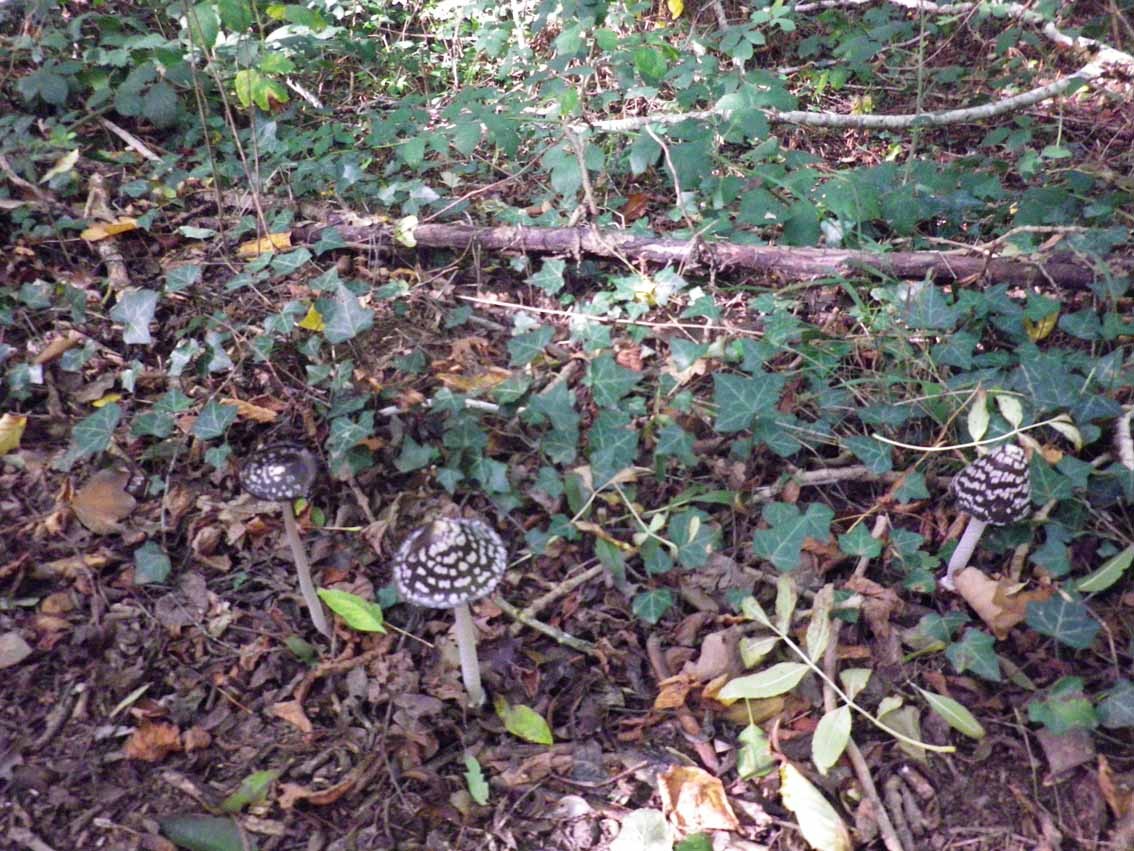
(466, 646)
(303, 570)
(960, 558)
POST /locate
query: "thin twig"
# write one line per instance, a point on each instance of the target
(532, 610)
(547, 629)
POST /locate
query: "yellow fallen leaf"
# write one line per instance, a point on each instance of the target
(248, 411)
(106, 400)
(313, 321)
(676, 8)
(11, 430)
(271, 242)
(105, 230)
(62, 165)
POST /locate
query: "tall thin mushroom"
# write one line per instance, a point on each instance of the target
(280, 473)
(993, 490)
(446, 565)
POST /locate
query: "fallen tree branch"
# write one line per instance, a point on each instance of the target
(786, 262)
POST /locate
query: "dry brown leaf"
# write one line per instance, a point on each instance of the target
(472, 383)
(13, 649)
(248, 411)
(291, 794)
(195, 739)
(1117, 789)
(292, 712)
(695, 801)
(102, 501)
(994, 601)
(271, 242)
(673, 692)
(71, 567)
(153, 741)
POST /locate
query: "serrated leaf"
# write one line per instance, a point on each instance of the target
(524, 722)
(1111, 571)
(135, 310)
(830, 739)
(773, 681)
(953, 713)
(474, 779)
(818, 821)
(358, 613)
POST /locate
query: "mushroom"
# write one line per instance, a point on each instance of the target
(446, 565)
(280, 473)
(994, 489)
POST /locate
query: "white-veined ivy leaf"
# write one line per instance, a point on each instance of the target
(203, 833)
(859, 543)
(135, 310)
(151, 564)
(549, 278)
(953, 713)
(773, 681)
(976, 652)
(609, 381)
(1067, 621)
(754, 757)
(739, 399)
(644, 830)
(1065, 708)
(474, 779)
(875, 454)
(924, 307)
(524, 348)
(93, 434)
(1108, 574)
(830, 739)
(523, 722)
(818, 821)
(783, 542)
(1117, 708)
(182, 278)
(694, 535)
(652, 605)
(360, 614)
(214, 420)
(345, 318)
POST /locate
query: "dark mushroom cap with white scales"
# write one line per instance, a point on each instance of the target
(995, 488)
(280, 472)
(449, 562)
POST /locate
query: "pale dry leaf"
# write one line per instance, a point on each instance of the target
(13, 649)
(694, 801)
(292, 712)
(248, 411)
(153, 741)
(103, 501)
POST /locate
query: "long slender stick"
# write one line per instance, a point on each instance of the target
(303, 570)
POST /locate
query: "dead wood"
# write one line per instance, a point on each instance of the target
(784, 262)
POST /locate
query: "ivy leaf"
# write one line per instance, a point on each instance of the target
(213, 833)
(360, 614)
(1065, 708)
(975, 652)
(652, 605)
(1067, 621)
(1117, 708)
(524, 348)
(151, 564)
(523, 722)
(875, 454)
(93, 434)
(859, 543)
(783, 542)
(135, 310)
(609, 381)
(694, 535)
(214, 420)
(549, 278)
(345, 318)
(739, 399)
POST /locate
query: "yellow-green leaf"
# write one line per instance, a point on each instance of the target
(818, 821)
(362, 615)
(831, 736)
(313, 321)
(523, 722)
(768, 683)
(11, 430)
(953, 713)
(1100, 580)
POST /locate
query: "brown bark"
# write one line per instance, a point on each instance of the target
(784, 262)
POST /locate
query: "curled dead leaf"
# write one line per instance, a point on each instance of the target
(995, 602)
(153, 741)
(292, 712)
(694, 801)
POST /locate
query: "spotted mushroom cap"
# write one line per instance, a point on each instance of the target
(280, 472)
(448, 562)
(996, 488)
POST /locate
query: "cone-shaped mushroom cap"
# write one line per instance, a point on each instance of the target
(280, 472)
(449, 562)
(996, 488)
